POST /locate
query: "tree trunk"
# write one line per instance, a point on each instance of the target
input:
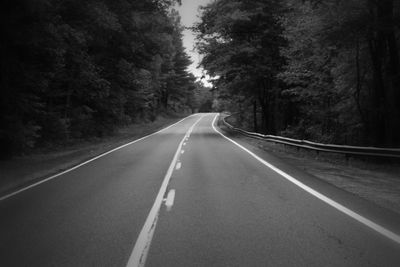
(359, 81)
(164, 99)
(255, 124)
(385, 112)
(376, 117)
(263, 99)
(392, 74)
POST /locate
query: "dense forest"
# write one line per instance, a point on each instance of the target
(76, 69)
(322, 70)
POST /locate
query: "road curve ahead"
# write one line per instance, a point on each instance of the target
(187, 196)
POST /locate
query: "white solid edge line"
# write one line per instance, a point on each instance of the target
(140, 250)
(86, 162)
(378, 228)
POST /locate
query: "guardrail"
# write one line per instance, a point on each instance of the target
(346, 150)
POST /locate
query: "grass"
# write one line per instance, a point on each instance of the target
(21, 171)
(376, 181)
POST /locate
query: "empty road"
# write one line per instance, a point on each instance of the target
(190, 196)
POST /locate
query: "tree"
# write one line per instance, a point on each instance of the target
(77, 69)
(240, 41)
(352, 44)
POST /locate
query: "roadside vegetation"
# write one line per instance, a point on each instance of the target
(326, 71)
(374, 180)
(46, 161)
(76, 70)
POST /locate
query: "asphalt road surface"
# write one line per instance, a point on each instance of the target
(188, 196)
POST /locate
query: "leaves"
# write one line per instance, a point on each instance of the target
(325, 70)
(240, 42)
(77, 69)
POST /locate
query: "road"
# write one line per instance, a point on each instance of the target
(225, 208)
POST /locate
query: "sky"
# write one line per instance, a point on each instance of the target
(189, 15)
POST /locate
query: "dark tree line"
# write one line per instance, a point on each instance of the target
(73, 69)
(324, 70)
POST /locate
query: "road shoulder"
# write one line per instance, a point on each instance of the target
(22, 171)
(369, 207)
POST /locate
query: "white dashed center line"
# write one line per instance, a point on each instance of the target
(142, 245)
(170, 199)
(178, 165)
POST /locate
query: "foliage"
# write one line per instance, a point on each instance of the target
(240, 41)
(343, 70)
(77, 69)
(325, 70)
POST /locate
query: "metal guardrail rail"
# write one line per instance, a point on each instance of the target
(346, 150)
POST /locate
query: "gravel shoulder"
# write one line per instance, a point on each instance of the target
(24, 170)
(375, 182)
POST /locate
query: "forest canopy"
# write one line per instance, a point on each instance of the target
(73, 69)
(322, 70)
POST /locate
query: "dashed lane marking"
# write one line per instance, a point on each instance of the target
(143, 242)
(178, 165)
(170, 199)
(86, 162)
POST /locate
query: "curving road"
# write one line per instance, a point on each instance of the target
(189, 196)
